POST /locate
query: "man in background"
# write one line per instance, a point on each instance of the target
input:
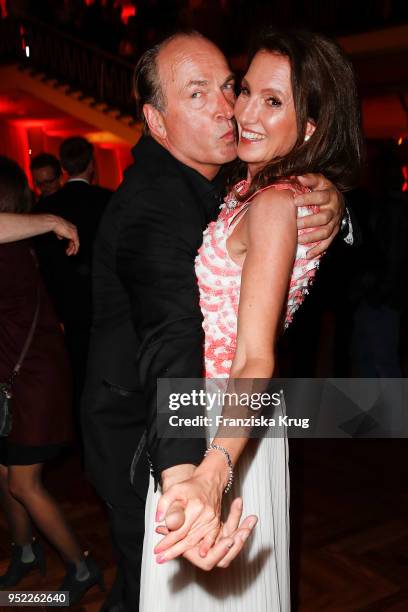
(69, 279)
(46, 172)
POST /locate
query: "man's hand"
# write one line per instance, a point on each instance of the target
(325, 223)
(229, 543)
(200, 497)
(64, 229)
(174, 475)
(201, 503)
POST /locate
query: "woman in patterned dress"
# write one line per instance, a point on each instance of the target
(297, 112)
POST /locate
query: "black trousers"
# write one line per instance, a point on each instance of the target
(113, 426)
(127, 530)
(77, 343)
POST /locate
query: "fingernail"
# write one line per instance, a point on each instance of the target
(161, 558)
(252, 523)
(159, 516)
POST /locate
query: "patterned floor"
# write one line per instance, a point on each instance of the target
(349, 509)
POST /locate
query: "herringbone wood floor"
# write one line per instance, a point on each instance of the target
(349, 512)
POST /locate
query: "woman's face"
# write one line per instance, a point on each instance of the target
(265, 111)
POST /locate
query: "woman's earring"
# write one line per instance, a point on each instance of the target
(307, 137)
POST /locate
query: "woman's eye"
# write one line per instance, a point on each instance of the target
(196, 94)
(272, 101)
(244, 91)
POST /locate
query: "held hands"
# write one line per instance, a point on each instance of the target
(192, 509)
(325, 223)
(229, 542)
(200, 497)
(64, 229)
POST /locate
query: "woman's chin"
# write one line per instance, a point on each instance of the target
(251, 160)
(245, 154)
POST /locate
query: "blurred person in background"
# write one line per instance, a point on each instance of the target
(46, 173)
(379, 288)
(69, 280)
(41, 418)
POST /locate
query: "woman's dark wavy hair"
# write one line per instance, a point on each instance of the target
(324, 91)
(15, 195)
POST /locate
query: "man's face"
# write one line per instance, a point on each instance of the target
(199, 101)
(45, 181)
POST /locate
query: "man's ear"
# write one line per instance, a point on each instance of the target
(91, 169)
(154, 119)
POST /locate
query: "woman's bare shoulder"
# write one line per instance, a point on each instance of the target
(271, 202)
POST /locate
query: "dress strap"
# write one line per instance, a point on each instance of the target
(283, 185)
(237, 217)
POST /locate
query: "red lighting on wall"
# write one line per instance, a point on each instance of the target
(405, 175)
(3, 8)
(127, 12)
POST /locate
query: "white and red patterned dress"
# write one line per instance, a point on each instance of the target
(258, 579)
(219, 280)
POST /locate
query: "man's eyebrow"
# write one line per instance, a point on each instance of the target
(197, 83)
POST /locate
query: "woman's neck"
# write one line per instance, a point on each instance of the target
(252, 170)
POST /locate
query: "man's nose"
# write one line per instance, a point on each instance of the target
(225, 107)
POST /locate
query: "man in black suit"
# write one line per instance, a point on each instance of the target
(147, 319)
(69, 279)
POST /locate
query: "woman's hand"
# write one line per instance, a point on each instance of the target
(200, 498)
(17, 226)
(64, 229)
(229, 542)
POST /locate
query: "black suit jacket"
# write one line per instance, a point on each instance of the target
(68, 279)
(147, 319)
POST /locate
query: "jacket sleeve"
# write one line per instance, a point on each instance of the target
(155, 262)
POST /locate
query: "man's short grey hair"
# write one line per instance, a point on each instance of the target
(146, 82)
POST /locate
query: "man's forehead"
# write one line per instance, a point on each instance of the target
(194, 62)
(43, 170)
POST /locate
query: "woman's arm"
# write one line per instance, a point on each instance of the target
(14, 227)
(271, 246)
(270, 236)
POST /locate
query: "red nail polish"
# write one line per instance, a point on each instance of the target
(161, 559)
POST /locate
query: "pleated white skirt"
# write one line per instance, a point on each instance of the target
(258, 579)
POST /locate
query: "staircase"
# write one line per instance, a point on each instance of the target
(83, 81)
